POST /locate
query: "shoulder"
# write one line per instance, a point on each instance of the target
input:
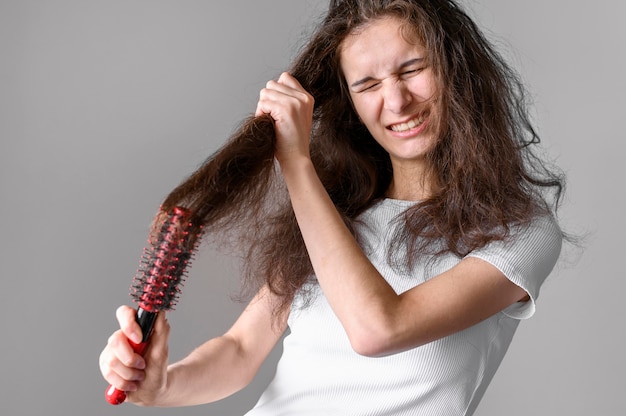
(528, 255)
(540, 236)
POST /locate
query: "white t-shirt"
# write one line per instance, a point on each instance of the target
(320, 374)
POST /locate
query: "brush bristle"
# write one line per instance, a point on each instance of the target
(163, 264)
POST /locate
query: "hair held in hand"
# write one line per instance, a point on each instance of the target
(487, 177)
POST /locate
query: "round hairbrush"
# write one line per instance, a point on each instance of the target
(156, 285)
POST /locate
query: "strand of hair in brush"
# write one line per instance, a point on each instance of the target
(156, 285)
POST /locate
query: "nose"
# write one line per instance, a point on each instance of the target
(396, 96)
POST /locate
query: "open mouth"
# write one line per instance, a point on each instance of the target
(411, 124)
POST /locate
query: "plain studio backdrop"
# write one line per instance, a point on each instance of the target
(106, 105)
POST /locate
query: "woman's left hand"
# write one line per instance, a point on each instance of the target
(291, 107)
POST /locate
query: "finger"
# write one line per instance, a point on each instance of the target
(272, 99)
(294, 88)
(128, 324)
(287, 85)
(288, 80)
(116, 373)
(281, 101)
(121, 383)
(122, 351)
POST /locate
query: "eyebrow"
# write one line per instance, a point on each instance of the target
(402, 66)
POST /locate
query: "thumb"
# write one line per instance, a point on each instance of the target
(158, 350)
(156, 358)
(287, 79)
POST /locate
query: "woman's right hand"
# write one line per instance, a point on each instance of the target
(144, 379)
(291, 107)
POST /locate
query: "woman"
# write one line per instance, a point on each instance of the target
(417, 231)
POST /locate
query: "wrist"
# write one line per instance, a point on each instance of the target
(165, 396)
(295, 165)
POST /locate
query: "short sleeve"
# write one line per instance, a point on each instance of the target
(526, 259)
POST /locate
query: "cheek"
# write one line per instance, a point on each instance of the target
(366, 108)
(424, 87)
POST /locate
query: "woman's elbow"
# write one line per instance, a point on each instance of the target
(376, 343)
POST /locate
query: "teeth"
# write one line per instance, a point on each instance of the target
(407, 126)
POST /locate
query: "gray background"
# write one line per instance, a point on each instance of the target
(106, 105)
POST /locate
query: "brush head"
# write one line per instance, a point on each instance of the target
(171, 244)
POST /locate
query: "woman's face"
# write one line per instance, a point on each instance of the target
(392, 89)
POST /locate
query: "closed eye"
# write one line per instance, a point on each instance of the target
(369, 87)
(411, 71)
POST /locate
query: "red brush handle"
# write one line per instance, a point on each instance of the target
(145, 320)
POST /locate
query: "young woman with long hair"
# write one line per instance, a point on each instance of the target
(393, 215)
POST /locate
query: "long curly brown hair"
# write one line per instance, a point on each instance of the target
(487, 174)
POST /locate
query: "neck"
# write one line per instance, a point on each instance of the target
(412, 184)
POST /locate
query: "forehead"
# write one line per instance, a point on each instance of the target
(379, 45)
